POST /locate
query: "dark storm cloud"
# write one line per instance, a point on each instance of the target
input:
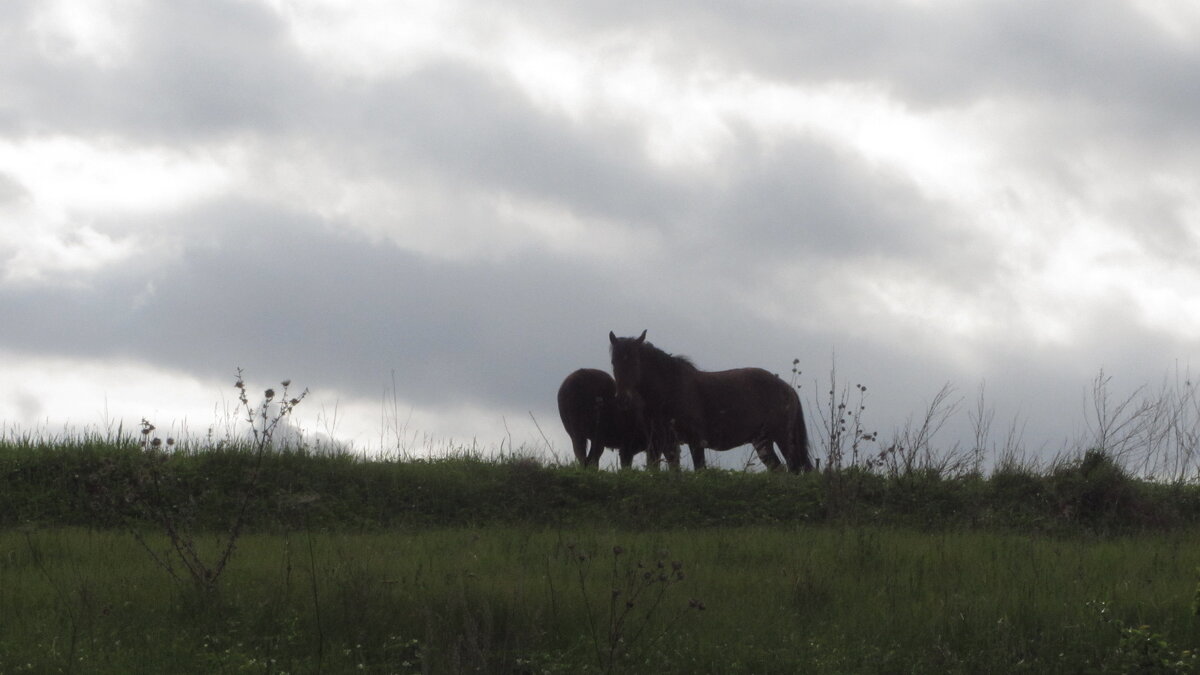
(282, 293)
(204, 68)
(803, 197)
(800, 197)
(287, 290)
(466, 126)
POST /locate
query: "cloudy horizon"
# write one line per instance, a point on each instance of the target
(429, 213)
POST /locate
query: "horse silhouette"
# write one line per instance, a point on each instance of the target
(590, 412)
(719, 409)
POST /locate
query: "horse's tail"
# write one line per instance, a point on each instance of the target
(800, 439)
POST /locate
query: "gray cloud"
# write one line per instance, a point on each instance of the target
(929, 54)
(804, 198)
(1098, 96)
(284, 293)
(462, 123)
(1091, 81)
(11, 191)
(197, 69)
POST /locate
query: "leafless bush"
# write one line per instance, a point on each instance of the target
(638, 615)
(1151, 434)
(1008, 455)
(1117, 426)
(912, 447)
(981, 422)
(1012, 456)
(154, 492)
(1171, 452)
(843, 436)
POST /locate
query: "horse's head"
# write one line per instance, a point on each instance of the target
(627, 364)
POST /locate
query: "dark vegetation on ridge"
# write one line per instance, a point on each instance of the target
(99, 483)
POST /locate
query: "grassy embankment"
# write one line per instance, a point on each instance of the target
(465, 565)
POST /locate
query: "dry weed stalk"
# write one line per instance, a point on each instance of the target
(155, 492)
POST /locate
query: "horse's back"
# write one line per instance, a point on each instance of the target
(582, 393)
(588, 407)
(755, 384)
(587, 380)
(743, 404)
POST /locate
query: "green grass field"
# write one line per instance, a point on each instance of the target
(516, 599)
(509, 566)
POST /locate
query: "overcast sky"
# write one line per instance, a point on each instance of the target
(429, 213)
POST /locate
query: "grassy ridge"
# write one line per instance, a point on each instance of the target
(89, 482)
(511, 566)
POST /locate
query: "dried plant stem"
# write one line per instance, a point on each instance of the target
(154, 499)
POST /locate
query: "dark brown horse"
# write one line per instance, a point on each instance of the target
(588, 406)
(719, 410)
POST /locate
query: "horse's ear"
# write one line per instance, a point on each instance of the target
(612, 338)
(641, 338)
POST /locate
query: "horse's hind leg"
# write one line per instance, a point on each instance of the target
(593, 456)
(698, 460)
(796, 460)
(579, 445)
(767, 454)
(788, 450)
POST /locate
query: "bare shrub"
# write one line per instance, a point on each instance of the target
(1150, 434)
(637, 602)
(912, 448)
(843, 435)
(152, 490)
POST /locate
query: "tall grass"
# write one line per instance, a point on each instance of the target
(1152, 433)
(510, 599)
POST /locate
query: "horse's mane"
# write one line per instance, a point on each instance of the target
(660, 359)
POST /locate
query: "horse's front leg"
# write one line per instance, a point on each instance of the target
(698, 460)
(653, 458)
(626, 454)
(672, 455)
(668, 444)
(653, 453)
(662, 444)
